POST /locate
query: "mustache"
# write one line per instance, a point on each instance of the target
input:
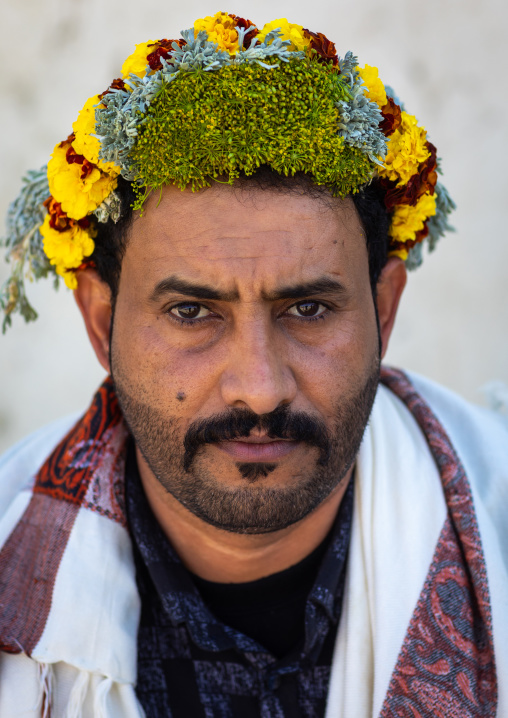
(282, 423)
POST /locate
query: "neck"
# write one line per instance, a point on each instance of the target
(225, 557)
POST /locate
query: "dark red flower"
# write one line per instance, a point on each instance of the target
(69, 139)
(324, 48)
(72, 157)
(163, 48)
(59, 221)
(428, 171)
(117, 84)
(57, 218)
(420, 183)
(241, 22)
(420, 236)
(391, 118)
(86, 264)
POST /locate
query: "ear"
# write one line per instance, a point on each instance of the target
(93, 298)
(390, 286)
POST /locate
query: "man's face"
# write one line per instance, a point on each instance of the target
(245, 350)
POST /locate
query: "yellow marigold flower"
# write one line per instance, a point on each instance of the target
(87, 145)
(220, 29)
(406, 150)
(407, 220)
(66, 250)
(288, 31)
(80, 188)
(402, 253)
(137, 62)
(374, 86)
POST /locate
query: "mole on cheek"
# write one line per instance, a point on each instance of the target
(180, 396)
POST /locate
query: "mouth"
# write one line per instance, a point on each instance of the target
(258, 448)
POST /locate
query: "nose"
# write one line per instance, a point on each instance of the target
(257, 375)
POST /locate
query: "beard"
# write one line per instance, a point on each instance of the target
(178, 461)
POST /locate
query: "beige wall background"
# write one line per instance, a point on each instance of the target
(445, 58)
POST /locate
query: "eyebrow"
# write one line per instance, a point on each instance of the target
(189, 289)
(323, 285)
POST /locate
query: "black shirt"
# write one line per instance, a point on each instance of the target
(261, 649)
(270, 610)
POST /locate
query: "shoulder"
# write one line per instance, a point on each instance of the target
(468, 421)
(480, 439)
(35, 446)
(19, 465)
(480, 436)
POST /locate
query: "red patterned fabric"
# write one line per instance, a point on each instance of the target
(29, 563)
(446, 666)
(85, 470)
(68, 471)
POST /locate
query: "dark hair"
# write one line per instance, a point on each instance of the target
(111, 240)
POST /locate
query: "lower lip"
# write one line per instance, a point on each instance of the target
(244, 451)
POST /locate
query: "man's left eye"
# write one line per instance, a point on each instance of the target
(307, 309)
(189, 310)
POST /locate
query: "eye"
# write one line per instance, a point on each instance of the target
(308, 308)
(189, 310)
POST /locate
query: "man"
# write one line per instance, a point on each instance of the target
(245, 522)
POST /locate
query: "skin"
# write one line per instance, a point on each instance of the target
(250, 348)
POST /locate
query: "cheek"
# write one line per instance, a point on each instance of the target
(341, 363)
(161, 372)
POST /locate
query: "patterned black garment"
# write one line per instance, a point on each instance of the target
(193, 665)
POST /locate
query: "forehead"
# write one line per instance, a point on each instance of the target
(244, 238)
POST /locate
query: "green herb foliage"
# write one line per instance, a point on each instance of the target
(24, 246)
(205, 126)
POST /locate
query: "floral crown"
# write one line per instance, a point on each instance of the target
(222, 100)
